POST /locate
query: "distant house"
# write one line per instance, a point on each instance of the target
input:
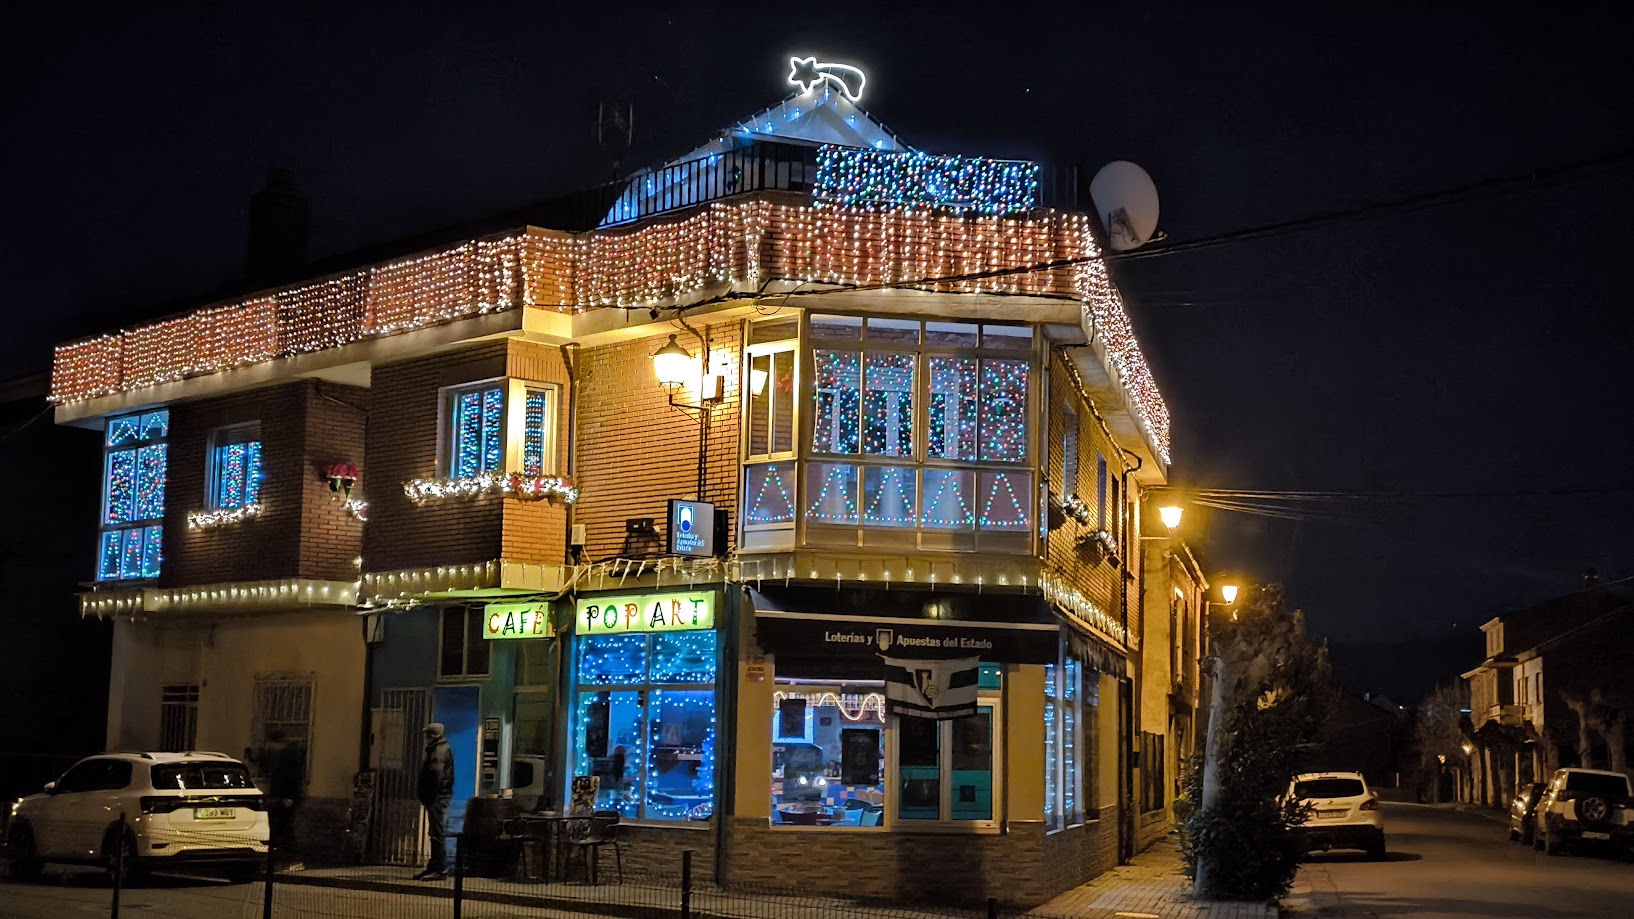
(1363, 735)
(1541, 664)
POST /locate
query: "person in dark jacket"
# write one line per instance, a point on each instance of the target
(282, 763)
(435, 790)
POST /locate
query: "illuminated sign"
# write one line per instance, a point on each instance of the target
(807, 72)
(517, 620)
(691, 528)
(645, 613)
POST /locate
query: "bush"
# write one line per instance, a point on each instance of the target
(1274, 691)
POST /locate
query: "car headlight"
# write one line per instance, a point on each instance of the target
(15, 805)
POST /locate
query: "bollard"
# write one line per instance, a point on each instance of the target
(686, 884)
(118, 868)
(266, 886)
(459, 872)
(992, 908)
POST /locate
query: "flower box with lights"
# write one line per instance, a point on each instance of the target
(209, 520)
(1074, 507)
(555, 489)
(342, 477)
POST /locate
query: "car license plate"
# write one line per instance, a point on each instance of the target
(212, 813)
(1590, 834)
(1329, 815)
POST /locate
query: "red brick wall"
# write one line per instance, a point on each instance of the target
(402, 445)
(635, 451)
(300, 531)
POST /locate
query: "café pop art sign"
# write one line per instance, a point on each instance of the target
(672, 612)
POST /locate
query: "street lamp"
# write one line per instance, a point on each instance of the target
(675, 367)
(1229, 593)
(1170, 514)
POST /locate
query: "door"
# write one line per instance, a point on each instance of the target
(398, 831)
(459, 710)
(71, 821)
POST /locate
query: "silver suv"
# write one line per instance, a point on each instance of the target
(1585, 806)
(163, 808)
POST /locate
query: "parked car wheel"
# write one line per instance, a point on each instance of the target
(1514, 835)
(1551, 843)
(1376, 852)
(20, 845)
(244, 874)
(119, 857)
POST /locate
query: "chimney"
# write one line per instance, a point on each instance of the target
(1591, 577)
(278, 230)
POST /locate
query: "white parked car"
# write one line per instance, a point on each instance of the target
(1344, 812)
(1585, 806)
(194, 808)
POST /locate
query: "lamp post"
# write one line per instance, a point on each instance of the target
(674, 366)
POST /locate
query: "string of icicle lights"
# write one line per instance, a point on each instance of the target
(743, 241)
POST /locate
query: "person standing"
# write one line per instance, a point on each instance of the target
(282, 763)
(435, 790)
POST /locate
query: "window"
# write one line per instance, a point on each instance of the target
(235, 466)
(95, 775)
(200, 776)
(828, 754)
(282, 705)
(837, 761)
(178, 717)
(133, 496)
(770, 427)
(1066, 744)
(645, 723)
(901, 411)
(463, 652)
(502, 425)
(1069, 452)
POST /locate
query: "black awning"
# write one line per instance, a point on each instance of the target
(866, 638)
(1094, 652)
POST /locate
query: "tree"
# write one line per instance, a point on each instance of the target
(1439, 735)
(1241, 838)
(1603, 716)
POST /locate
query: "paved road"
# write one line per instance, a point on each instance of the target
(1447, 863)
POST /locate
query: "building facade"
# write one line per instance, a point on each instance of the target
(905, 460)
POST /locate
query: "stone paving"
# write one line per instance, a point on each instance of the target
(1151, 886)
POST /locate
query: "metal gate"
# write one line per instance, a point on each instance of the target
(398, 836)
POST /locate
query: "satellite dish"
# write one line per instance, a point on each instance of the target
(1126, 200)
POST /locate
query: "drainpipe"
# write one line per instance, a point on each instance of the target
(1132, 716)
(570, 352)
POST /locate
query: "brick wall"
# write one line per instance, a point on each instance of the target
(1023, 866)
(635, 451)
(404, 409)
(1096, 577)
(536, 531)
(301, 531)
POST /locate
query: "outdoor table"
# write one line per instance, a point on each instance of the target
(548, 827)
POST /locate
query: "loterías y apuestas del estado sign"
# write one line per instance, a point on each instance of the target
(644, 613)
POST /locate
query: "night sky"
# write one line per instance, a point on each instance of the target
(1466, 359)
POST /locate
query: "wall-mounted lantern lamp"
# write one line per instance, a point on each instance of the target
(1171, 516)
(675, 367)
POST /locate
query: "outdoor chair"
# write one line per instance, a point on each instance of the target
(603, 831)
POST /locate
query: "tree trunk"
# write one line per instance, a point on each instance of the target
(1585, 743)
(1214, 754)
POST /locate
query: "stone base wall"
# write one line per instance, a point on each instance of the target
(656, 850)
(1023, 866)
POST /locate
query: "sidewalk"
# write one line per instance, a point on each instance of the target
(1150, 887)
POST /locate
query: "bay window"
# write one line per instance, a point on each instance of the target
(499, 426)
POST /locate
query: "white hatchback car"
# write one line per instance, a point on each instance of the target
(194, 808)
(1344, 812)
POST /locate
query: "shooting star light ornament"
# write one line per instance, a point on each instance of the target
(807, 72)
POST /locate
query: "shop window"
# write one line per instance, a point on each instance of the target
(645, 723)
(178, 716)
(838, 761)
(828, 754)
(1066, 743)
(502, 425)
(769, 494)
(235, 466)
(133, 497)
(463, 652)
